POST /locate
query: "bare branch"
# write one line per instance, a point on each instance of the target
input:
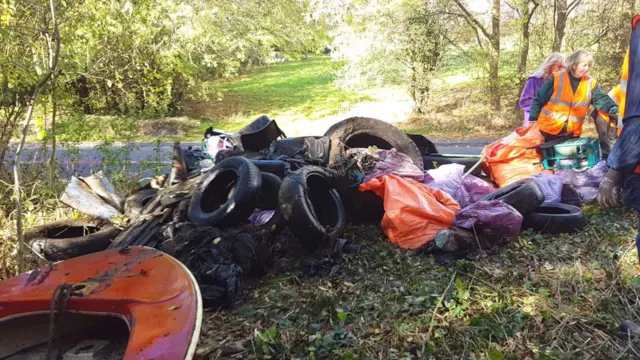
(472, 20)
(572, 6)
(478, 39)
(54, 54)
(535, 6)
(449, 13)
(513, 7)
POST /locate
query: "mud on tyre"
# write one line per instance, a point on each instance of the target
(362, 132)
(312, 206)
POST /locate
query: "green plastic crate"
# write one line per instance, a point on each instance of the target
(576, 153)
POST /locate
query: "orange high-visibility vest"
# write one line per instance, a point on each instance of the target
(623, 91)
(565, 107)
(614, 94)
(624, 78)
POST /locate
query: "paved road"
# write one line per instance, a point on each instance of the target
(147, 157)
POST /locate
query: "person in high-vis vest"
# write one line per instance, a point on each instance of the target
(607, 126)
(621, 184)
(553, 63)
(563, 101)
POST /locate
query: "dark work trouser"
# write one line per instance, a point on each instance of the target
(625, 157)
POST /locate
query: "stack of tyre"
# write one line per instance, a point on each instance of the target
(304, 200)
(528, 199)
(308, 200)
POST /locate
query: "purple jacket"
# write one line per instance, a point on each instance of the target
(528, 93)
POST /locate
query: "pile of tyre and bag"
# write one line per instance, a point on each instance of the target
(361, 171)
(371, 172)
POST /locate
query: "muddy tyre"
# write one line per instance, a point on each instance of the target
(312, 206)
(228, 195)
(555, 219)
(524, 195)
(361, 132)
(269, 189)
(66, 239)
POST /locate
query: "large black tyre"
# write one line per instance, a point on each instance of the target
(269, 189)
(312, 206)
(555, 219)
(362, 132)
(524, 195)
(432, 161)
(228, 195)
(65, 239)
(276, 167)
(135, 203)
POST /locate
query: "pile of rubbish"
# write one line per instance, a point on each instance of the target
(222, 209)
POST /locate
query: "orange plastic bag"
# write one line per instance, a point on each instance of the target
(414, 213)
(514, 157)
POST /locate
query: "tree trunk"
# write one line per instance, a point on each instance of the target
(524, 49)
(494, 56)
(562, 13)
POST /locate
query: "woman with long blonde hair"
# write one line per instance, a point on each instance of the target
(562, 103)
(553, 63)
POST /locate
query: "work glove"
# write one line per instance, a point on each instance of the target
(613, 110)
(610, 189)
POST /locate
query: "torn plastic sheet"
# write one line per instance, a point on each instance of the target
(261, 217)
(81, 197)
(101, 185)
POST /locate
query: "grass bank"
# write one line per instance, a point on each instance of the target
(302, 97)
(540, 297)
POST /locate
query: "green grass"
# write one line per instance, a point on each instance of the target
(539, 297)
(295, 92)
(304, 88)
(289, 92)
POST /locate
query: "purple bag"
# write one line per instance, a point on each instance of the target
(585, 183)
(492, 214)
(261, 217)
(448, 178)
(396, 163)
(551, 186)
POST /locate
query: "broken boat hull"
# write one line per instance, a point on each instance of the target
(129, 303)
